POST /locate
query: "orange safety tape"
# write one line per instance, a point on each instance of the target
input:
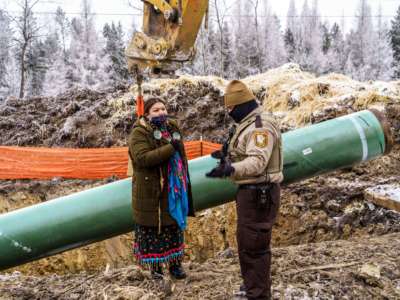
(93, 163)
(139, 106)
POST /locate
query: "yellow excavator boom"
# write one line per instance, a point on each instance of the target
(169, 33)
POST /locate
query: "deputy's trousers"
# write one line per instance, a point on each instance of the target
(254, 225)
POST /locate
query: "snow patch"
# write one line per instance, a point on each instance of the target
(391, 191)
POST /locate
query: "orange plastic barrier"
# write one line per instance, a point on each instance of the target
(207, 147)
(93, 163)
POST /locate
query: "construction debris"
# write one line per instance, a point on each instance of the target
(387, 195)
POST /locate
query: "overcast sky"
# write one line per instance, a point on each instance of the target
(119, 10)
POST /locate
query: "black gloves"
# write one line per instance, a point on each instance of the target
(218, 154)
(224, 169)
(221, 154)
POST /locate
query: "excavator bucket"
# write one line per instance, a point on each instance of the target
(169, 33)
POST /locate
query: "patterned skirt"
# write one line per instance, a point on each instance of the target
(152, 248)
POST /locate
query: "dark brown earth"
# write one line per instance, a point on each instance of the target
(365, 268)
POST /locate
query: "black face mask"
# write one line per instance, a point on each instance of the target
(239, 112)
(159, 121)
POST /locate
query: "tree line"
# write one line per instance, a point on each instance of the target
(234, 42)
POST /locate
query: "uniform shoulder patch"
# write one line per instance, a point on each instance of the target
(260, 139)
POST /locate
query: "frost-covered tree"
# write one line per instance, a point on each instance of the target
(56, 80)
(85, 66)
(316, 40)
(26, 33)
(227, 52)
(293, 20)
(213, 47)
(83, 63)
(326, 38)
(290, 45)
(63, 27)
(382, 59)
(309, 47)
(114, 53)
(292, 33)
(361, 45)
(58, 62)
(235, 45)
(273, 46)
(223, 39)
(257, 59)
(36, 68)
(217, 9)
(198, 65)
(40, 59)
(212, 51)
(334, 49)
(395, 42)
(239, 47)
(247, 52)
(5, 57)
(303, 46)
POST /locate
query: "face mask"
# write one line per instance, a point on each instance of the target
(240, 111)
(236, 114)
(159, 121)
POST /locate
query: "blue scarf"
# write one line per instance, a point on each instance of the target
(178, 190)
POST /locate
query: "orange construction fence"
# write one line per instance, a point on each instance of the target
(93, 163)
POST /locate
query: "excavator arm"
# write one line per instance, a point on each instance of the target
(170, 29)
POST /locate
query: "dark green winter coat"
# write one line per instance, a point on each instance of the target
(150, 158)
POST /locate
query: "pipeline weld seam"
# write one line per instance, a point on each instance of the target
(16, 243)
(363, 138)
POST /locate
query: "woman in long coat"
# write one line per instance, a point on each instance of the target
(161, 192)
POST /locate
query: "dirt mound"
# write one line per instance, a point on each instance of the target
(73, 119)
(300, 98)
(327, 270)
(85, 118)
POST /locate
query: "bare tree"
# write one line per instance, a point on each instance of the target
(27, 31)
(255, 4)
(63, 27)
(221, 11)
(220, 22)
(5, 44)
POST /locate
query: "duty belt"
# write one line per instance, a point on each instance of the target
(263, 191)
(255, 186)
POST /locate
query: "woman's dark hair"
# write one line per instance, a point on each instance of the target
(150, 102)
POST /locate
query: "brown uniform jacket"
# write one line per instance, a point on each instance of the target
(149, 179)
(256, 151)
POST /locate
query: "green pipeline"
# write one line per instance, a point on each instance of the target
(96, 214)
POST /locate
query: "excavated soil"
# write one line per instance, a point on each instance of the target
(328, 243)
(365, 268)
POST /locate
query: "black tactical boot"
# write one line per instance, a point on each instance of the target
(176, 270)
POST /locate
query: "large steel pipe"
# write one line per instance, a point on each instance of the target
(93, 215)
